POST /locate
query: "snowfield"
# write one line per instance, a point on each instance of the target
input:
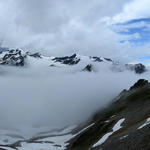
(44, 139)
(55, 140)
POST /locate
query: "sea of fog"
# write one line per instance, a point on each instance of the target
(41, 97)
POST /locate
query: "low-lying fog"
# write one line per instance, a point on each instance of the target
(39, 97)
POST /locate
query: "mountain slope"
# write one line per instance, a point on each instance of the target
(124, 124)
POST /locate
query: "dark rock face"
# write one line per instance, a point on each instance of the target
(134, 107)
(35, 55)
(138, 68)
(136, 140)
(72, 60)
(13, 57)
(108, 59)
(88, 68)
(16, 57)
(96, 59)
(68, 60)
(139, 83)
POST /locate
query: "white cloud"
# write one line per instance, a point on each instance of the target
(49, 97)
(63, 27)
(133, 10)
(59, 27)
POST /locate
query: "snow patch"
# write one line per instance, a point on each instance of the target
(116, 127)
(123, 137)
(38, 146)
(6, 148)
(84, 129)
(145, 124)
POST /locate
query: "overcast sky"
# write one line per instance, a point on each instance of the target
(60, 27)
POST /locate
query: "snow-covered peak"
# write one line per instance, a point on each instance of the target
(19, 57)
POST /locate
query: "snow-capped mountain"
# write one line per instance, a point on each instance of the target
(21, 58)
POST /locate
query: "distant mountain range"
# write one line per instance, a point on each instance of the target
(21, 58)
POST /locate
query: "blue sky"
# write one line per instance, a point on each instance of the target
(140, 27)
(135, 32)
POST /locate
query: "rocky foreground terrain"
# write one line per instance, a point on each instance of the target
(123, 125)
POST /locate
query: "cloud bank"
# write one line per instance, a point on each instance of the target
(32, 98)
(135, 9)
(59, 27)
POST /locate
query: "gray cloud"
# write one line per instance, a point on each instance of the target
(30, 97)
(139, 9)
(59, 27)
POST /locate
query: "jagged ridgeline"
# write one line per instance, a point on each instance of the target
(123, 125)
(18, 57)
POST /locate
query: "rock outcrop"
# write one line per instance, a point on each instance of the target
(139, 84)
(88, 68)
(68, 60)
(13, 57)
(138, 68)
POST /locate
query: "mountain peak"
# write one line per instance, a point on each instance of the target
(139, 83)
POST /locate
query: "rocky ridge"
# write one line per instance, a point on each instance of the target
(123, 125)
